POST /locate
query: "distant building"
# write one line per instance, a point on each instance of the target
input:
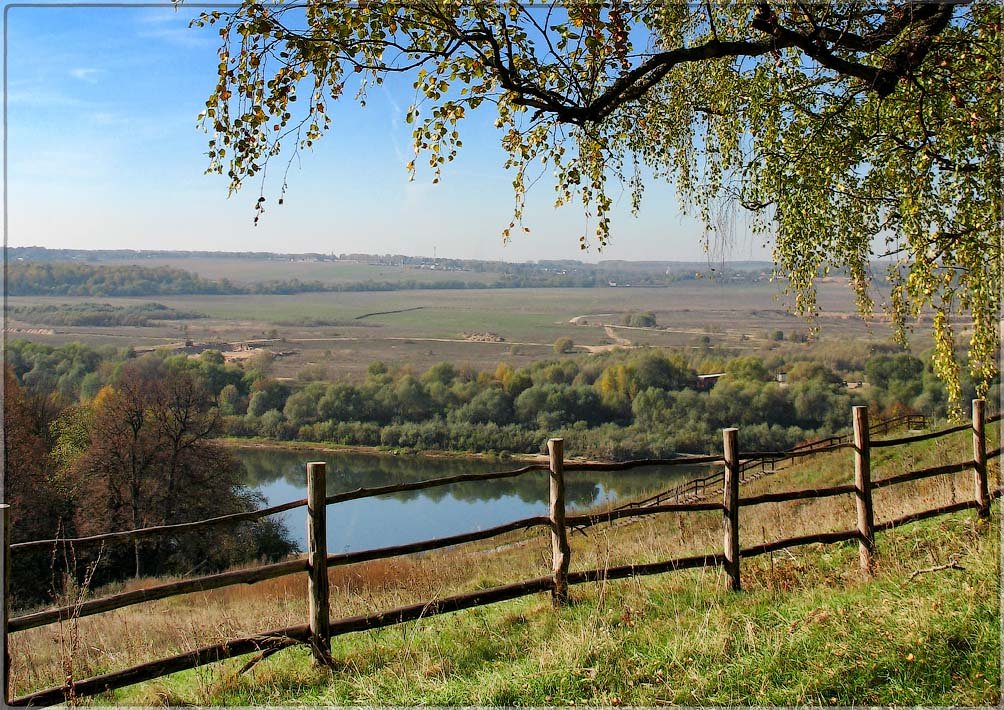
(706, 382)
(782, 377)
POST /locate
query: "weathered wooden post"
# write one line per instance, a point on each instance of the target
(863, 484)
(730, 516)
(560, 552)
(980, 459)
(4, 605)
(317, 559)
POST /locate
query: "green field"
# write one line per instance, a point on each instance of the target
(325, 327)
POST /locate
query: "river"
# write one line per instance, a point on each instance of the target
(435, 512)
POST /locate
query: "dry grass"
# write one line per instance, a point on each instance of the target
(144, 632)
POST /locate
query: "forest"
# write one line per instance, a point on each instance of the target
(103, 315)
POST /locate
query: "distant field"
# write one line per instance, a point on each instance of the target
(333, 272)
(324, 327)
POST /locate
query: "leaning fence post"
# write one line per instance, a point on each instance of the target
(317, 562)
(863, 484)
(560, 552)
(730, 515)
(4, 605)
(980, 459)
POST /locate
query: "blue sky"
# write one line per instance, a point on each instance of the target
(103, 152)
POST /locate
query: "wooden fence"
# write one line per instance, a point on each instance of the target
(756, 465)
(319, 629)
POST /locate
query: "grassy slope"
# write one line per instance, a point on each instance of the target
(808, 629)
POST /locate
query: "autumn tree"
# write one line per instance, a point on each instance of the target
(148, 460)
(38, 495)
(847, 131)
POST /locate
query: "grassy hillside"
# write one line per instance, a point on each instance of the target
(803, 633)
(807, 629)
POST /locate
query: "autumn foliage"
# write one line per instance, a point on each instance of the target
(138, 454)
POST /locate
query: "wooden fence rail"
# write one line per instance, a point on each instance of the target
(786, 496)
(319, 630)
(160, 591)
(158, 530)
(922, 473)
(920, 437)
(636, 463)
(431, 483)
(231, 518)
(767, 461)
(347, 558)
(590, 519)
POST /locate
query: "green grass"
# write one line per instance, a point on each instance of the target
(809, 630)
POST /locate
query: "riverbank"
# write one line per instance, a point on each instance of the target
(328, 447)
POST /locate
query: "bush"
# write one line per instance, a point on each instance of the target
(563, 346)
(645, 319)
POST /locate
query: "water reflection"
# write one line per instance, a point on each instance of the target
(435, 512)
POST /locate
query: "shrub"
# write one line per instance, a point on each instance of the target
(563, 345)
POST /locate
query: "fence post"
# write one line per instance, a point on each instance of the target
(730, 516)
(863, 484)
(317, 567)
(980, 458)
(4, 604)
(560, 552)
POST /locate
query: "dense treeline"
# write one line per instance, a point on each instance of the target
(103, 315)
(72, 279)
(50, 278)
(100, 441)
(645, 402)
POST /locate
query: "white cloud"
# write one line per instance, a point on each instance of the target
(88, 74)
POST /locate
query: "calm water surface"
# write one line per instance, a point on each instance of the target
(436, 512)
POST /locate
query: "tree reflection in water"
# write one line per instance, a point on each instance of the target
(443, 510)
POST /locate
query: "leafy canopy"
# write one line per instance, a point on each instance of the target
(849, 131)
